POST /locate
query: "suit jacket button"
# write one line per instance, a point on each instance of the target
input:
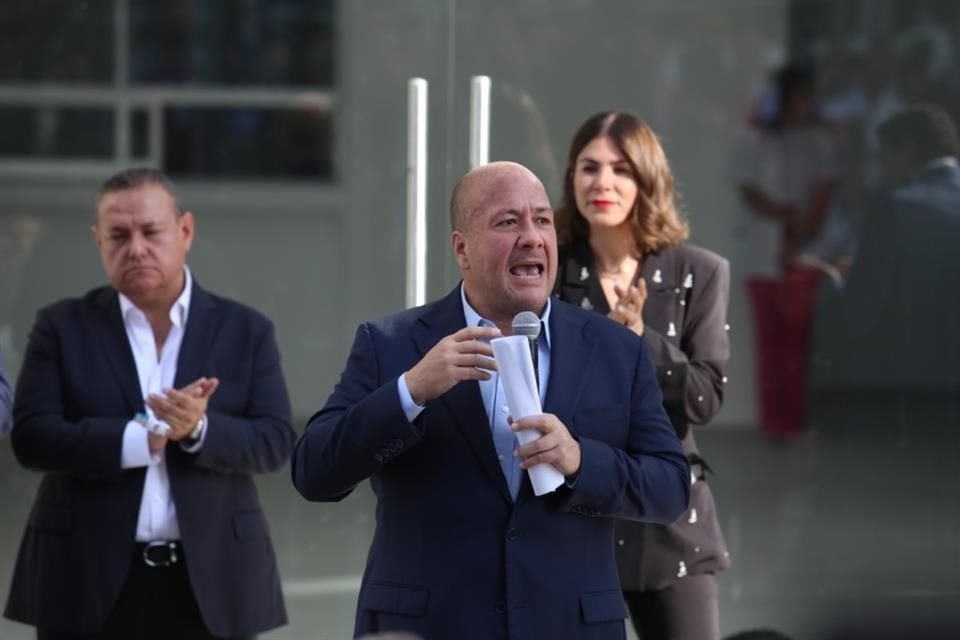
(512, 533)
(378, 458)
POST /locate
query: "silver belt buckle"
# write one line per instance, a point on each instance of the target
(160, 544)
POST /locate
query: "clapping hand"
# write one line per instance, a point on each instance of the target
(181, 409)
(629, 308)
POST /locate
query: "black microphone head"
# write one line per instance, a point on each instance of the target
(526, 323)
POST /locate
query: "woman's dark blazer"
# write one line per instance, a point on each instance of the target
(685, 327)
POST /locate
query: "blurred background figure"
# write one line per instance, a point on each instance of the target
(624, 254)
(787, 179)
(908, 252)
(6, 403)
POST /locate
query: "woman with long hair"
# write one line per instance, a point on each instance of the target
(623, 253)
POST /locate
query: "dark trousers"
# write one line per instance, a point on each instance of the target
(156, 603)
(686, 610)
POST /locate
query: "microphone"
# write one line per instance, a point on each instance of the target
(526, 323)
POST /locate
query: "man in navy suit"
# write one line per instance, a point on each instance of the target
(463, 548)
(148, 406)
(908, 254)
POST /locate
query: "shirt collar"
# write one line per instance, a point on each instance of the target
(180, 308)
(474, 319)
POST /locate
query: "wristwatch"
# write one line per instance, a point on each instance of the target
(155, 427)
(198, 430)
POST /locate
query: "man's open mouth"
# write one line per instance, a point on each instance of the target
(527, 270)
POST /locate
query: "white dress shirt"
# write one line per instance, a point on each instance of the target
(494, 399)
(157, 519)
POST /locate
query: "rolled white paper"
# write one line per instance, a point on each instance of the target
(520, 386)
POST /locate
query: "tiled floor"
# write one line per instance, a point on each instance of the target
(851, 531)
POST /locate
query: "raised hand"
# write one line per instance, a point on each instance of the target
(465, 355)
(629, 308)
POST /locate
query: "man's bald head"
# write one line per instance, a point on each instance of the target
(504, 241)
(478, 185)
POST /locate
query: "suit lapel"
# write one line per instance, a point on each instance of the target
(463, 402)
(579, 283)
(660, 270)
(198, 339)
(113, 336)
(571, 357)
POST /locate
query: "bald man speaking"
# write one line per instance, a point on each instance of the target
(463, 548)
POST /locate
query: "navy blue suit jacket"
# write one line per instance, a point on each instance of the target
(453, 556)
(77, 389)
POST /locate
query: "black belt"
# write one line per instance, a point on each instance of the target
(159, 553)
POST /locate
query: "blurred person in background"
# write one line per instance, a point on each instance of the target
(787, 179)
(6, 403)
(624, 254)
(908, 254)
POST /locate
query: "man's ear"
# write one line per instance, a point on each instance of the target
(187, 227)
(459, 244)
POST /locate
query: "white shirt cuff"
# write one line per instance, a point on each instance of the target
(135, 451)
(410, 408)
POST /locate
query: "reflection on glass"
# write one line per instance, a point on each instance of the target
(75, 41)
(56, 132)
(139, 133)
(280, 42)
(245, 142)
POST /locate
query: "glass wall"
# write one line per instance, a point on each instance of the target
(284, 124)
(208, 88)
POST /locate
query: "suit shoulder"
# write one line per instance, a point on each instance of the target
(700, 258)
(67, 308)
(399, 322)
(928, 196)
(239, 309)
